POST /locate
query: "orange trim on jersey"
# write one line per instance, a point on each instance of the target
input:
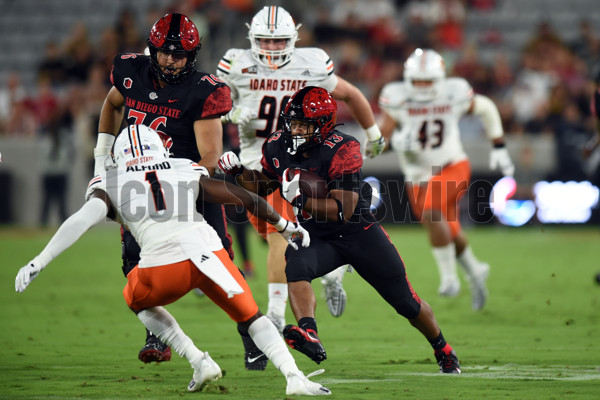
(284, 209)
(224, 66)
(442, 192)
(159, 286)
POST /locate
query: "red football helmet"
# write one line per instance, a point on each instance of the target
(315, 107)
(175, 34)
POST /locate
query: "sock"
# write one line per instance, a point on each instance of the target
(445, 259)
(278, 295)
(166, 328)
(468, 261)
(149, 334)
(439, 343)
(308, 323)
(266, 337)
(335, 275)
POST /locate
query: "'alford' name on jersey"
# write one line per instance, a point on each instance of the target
(143, 167)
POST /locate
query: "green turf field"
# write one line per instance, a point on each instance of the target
(71, 336)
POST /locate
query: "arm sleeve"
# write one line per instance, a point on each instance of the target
(490, 116)
(71, 230)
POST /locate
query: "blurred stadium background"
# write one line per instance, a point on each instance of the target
(532, 57)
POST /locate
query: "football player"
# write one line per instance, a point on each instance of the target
(165, 92)
(341, 227)
(180, 251)
(421, 116)
(262, 79)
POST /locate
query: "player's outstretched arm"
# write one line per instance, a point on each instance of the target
(91, 213)
(252, 180)
(485, 108)
(222, 192)
(359, 107)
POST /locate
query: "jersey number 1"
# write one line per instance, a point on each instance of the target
(156, 189)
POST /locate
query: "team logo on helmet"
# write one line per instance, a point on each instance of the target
(174, 33)
(317, 109)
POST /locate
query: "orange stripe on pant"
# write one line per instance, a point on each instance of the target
(442, 192)
(159, 286)
(284, 209)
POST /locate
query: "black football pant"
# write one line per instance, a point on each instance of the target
(367, 247)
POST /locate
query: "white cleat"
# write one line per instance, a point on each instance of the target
(277, 320)
(300, 385)
(335, 294)
(207, 371)
(450, 287)
(479, 291)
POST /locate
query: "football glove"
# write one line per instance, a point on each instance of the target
(27, 274)
(375, 147)
(239, 115)
(499, 158)
(291, 189)
(230, 163)
(293, 230)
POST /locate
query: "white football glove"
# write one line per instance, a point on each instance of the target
(27, 274)
(499, 158)
(291, 189)
(375, 147)
(239, 115)
(293, 230)
(230, 163)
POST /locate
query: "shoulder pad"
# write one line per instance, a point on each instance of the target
(458, 89)
(393, 95)
(229, 60)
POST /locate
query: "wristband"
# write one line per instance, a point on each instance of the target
(281, 225)
(373, 133)
(104, 144)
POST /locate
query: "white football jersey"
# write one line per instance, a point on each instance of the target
(267, 91)
(428, 136)
(156, 201)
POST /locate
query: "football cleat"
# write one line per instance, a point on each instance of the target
(448, 362)
(207, 371)
(335, 295)
(300, 385)
(306, 342)
(449, 287)
(154, 351)
(254, 358)
(479, 291)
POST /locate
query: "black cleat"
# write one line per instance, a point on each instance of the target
(448, 362)
(154, 351)
(306, 342)
(254, 358)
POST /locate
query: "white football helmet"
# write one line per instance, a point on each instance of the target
(138, 141)
(272, 22)
(424, 65)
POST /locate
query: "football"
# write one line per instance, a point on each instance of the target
(311, 184)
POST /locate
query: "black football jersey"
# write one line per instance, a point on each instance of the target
(171, 110)
(338, 160)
